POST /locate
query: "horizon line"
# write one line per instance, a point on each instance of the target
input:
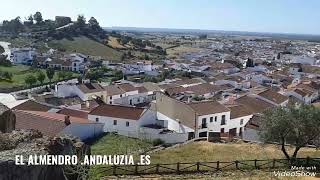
(195, 29)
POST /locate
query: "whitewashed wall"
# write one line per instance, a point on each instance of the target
(173, 124)
(83, 131)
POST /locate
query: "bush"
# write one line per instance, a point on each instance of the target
(157, 142)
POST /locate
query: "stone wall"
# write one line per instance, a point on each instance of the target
(30, 142)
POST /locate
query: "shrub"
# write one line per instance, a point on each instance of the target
(157, 142)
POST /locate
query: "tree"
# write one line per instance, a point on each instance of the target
(13, 26)
(93, 23)
(81, 21)
(30, 80)
(41, 77)
(117, 75)
(50, 73)
(6, 75)
(62, 75)
(297, 126)
(38, 17)
(30, 20)
(4, 61)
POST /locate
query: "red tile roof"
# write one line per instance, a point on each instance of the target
(33, 106)
(74, 113)
(273, 96)
(28, 120)
(208, 107)
(116, 111)
(254, 105)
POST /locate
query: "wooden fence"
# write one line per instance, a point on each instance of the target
(202, 167)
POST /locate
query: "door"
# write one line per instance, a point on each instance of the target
(190, 135)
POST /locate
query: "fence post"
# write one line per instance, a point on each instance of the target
(198, 166)
(114, 170)
(237, 164)
(273, 163)
(157, 169)
(178, 167)
(136, 169)
(255, 164)
(308, 161)
(218, 164)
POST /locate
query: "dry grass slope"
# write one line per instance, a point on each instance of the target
(205, 151)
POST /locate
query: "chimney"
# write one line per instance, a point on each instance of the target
(67, 120)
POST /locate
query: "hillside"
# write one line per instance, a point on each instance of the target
(86, 46)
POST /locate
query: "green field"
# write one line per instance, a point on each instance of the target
(86, 46)
(20, 72)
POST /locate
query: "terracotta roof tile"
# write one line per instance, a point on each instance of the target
(74, 113)
(127, 87)
(90, 87)
(254, 105)
(208, 107)
(238, 111)
(116, 111)
(273, 96)
(27, 120)
(33, 106)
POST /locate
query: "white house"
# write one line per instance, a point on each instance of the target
(122, 119)
(85, 92)
(200, 119)
(22, 55)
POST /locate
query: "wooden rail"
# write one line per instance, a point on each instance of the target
(200, 167)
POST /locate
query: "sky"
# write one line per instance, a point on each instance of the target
(278, 16)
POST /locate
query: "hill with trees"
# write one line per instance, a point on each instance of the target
(81, 35)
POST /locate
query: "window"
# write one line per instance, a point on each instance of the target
(138, 100)
(211, 119)
(110, 102)
(120, 95)
(223, 120)
(204, 123)
(127, 124)
(115, 122)
(241, 121)
(110, 97)
(215, 119)
(97, 119)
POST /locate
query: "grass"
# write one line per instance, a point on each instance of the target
(20, 72)
(113, 42)
(193, 152)
(86, 46)
(206, 151)
(115, 144)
